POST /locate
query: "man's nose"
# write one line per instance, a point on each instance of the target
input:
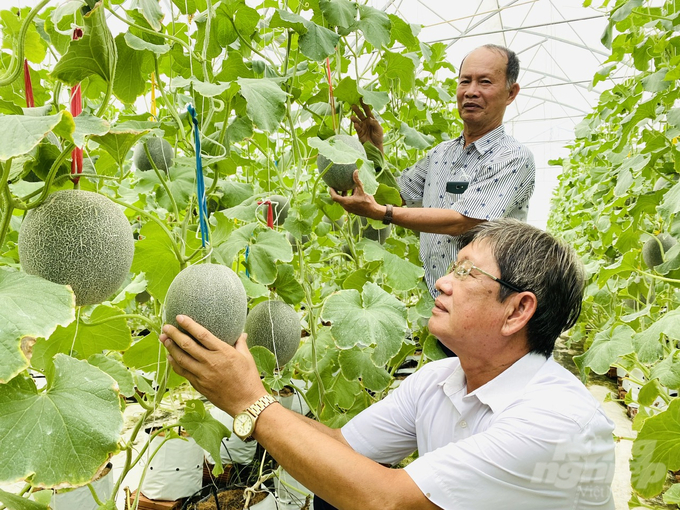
(471, 90)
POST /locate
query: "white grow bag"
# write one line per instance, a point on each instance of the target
(175, 472)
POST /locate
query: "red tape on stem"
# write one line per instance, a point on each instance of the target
(28, 86)
(76, 109)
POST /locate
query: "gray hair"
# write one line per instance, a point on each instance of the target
(512, 67)
(535, 261)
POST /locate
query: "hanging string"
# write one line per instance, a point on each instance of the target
(28, 86)
(200, 183)
(76, 109)
(330, 92)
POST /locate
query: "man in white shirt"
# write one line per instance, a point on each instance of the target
(501, 426)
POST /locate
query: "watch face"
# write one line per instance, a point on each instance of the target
(243, 425)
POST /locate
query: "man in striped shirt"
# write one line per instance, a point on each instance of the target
(496, 171)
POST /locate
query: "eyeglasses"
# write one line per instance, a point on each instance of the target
(462, 269)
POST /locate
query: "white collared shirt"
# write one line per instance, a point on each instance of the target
(533, 438)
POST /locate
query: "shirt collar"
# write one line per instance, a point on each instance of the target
(502, 390)
(487, 141)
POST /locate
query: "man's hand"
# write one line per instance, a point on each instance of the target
(359, 202)
(367, 127)
(226, 375)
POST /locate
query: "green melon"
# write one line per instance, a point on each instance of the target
(81, 239)
(161, 154)
(371, 233)
(280, 206)
(651, 251)
(275, 326)
(339, 177)
(213, 296)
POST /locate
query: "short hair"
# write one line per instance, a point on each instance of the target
(512, 67)
(532, 259)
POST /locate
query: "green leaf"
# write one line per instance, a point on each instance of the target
(376, 99)
(318, 42)
(87, 125)
(287, 285)
(82, 339)
(668, 371)
(66, 432)
(655, 82)
(139, 44)
(14, 502)
(22, 133)
(375, 25)
(672, 495)
(149, 355)
(118, 143)
(206, 431)
(269, 247)
(607, 347)
(151, 11)
(129, 80)
(237, 241)
(340, 13)
(403, 32)
(264, 359)
(649, 392)
(372, 318)
(93, 54)
(347, 91)
(266, 102)
(656, 450)
(399, 274)
(414, 138)
(647, 343)
(116, 370)
(204, 88)
(342, 392)
(356, 364)
(670, 204)
(285, 19)
(400, 69)
(21, 315)
(154, 256)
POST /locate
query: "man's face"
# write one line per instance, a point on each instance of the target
(482, 93)
(467, 314)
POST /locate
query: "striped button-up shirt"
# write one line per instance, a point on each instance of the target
(501, 174)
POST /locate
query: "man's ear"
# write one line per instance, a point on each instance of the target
(521, 308)
(512, 94)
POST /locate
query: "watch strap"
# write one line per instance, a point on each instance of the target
(388, 214)
(256, 409)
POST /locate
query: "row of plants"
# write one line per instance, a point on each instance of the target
(256, 92)
(617, 203)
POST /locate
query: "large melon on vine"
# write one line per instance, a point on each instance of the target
(339, 177)
(78, 238)
(276, 326)
(213, 296)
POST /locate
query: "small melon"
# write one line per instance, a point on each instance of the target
(371, 233)
(78, 238)
(651, 251)
(340, 177)
(280, 206)
(276, 326)
(161, 154)
(213, 296)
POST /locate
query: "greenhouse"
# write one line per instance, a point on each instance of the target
(338, 254)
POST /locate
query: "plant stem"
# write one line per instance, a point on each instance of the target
(656, 277)
(171, 108)
(8, 203)
(163, 183)
(50, 178)
(130, 316)
(15, 72)
(94, 494)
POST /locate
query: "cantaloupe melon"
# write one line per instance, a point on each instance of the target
(161, 154)
(78, 238)
(276, 326)
(651, 251)
(369, 232)
(280, 206)
(340, 177)
(213, 296)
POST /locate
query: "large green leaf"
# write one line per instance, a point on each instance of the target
(607, 347)
(118, 143)
(647, 343)
(414, 138)
(14, 502)
(151, 11)
(93, 54)
(318, 42)
(149, 355)
(266, 102)
(375, 25)
(356, 364)
(656, 450)
(137, 43)
(268, 248)
(287, 285)
(401, 69)
(668, 371)
(22, 133)
(372, 318)
(29, 306)
(206, 431)
(285, 19)
(116, 370)
(399, 273)
(129, 80)
(236, 241)
(62, 435)
(155, 257)
(87, 125)
(82, 338)
(341, 13)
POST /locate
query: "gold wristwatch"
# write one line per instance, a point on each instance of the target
(244, 422)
